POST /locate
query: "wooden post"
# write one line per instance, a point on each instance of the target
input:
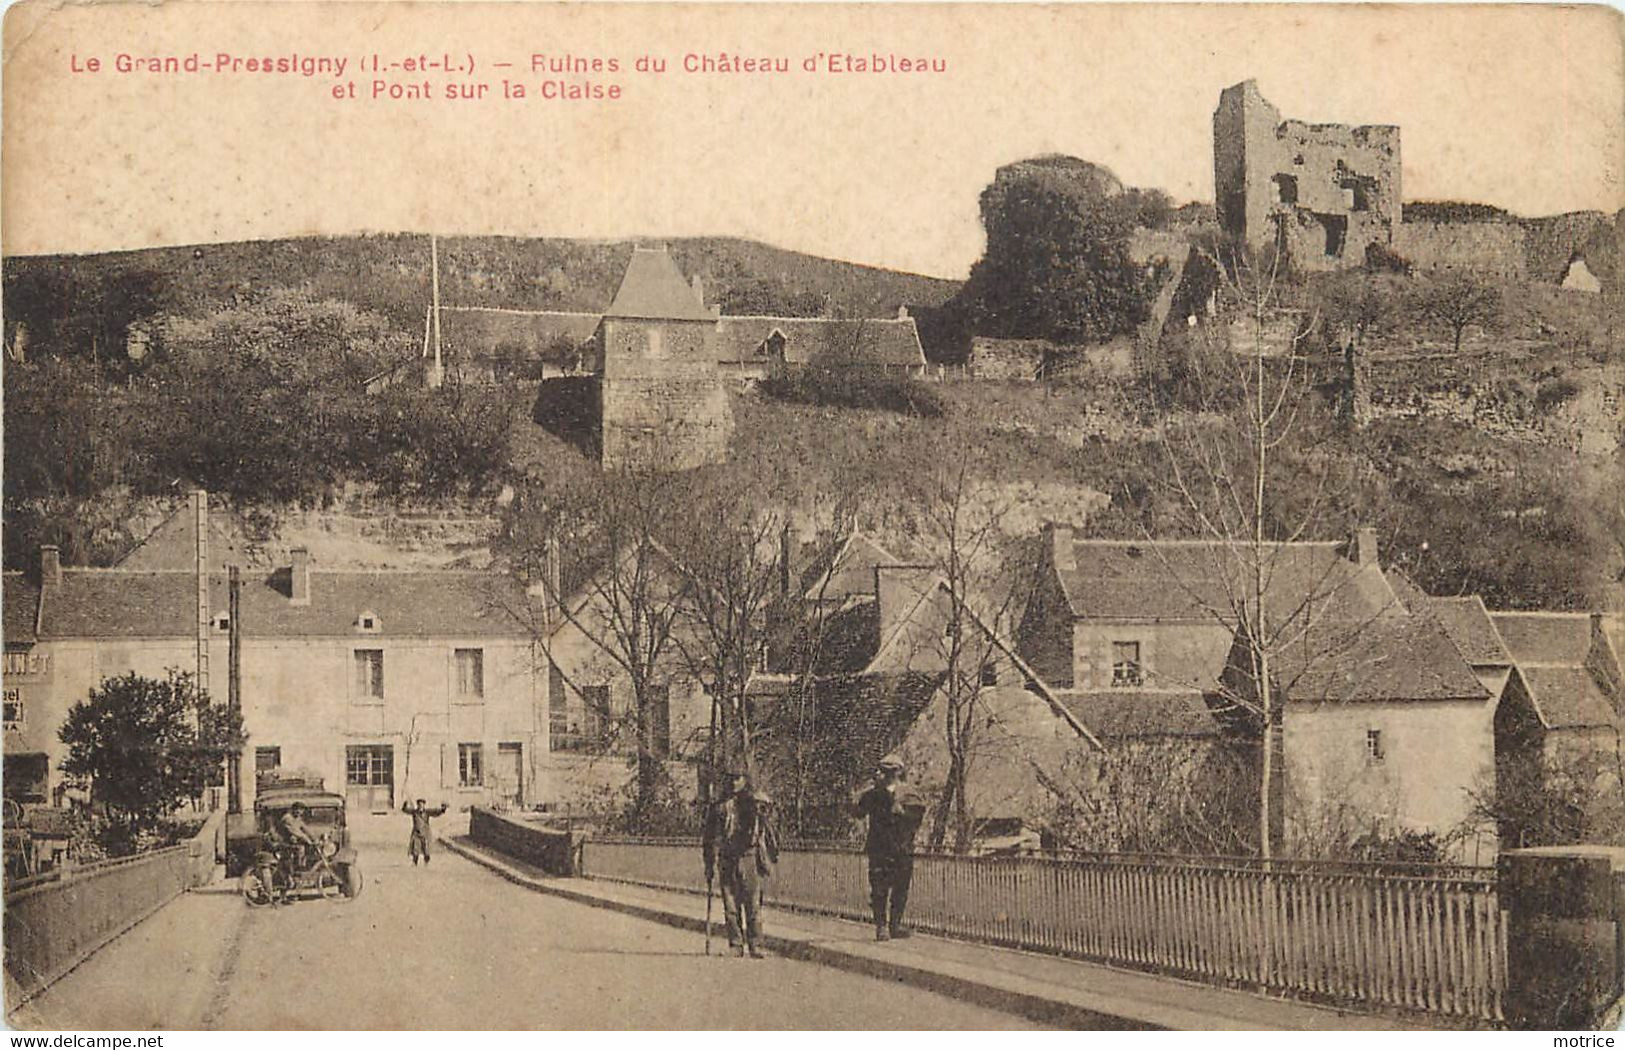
(436, 374)
(234, 686)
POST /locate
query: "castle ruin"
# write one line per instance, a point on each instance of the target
(1325, 192)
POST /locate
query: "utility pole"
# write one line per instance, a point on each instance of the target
(200, 564)
(234, 688)
(436, 375)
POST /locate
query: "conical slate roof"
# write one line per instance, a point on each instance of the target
(653, 289)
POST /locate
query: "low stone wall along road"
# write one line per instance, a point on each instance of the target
(454, 946)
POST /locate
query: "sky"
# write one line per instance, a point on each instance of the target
(1517, 106)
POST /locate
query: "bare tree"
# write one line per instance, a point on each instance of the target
(1244, 572)
(1158, 795)
(804, 621)
(728, 547)
(976, 582)
(1459, 301)
(624, 604)
(1354, 306)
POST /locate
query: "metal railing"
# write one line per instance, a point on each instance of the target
(1409, 937)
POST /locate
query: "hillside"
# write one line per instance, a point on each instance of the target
(67, 299)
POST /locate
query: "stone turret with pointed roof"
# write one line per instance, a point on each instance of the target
(653, 289)
(662, 402)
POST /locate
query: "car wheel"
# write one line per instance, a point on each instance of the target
(255, 891)
(350, 880)
(327, 884)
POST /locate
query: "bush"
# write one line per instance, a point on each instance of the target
(1555, 392)
(856, 388)
(1400, 847)
(1379, 258)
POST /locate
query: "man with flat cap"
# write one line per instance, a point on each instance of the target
(894, 816)
(741, 847)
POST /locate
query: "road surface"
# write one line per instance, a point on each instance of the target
(453, 946)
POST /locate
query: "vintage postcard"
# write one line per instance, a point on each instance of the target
(778, 516)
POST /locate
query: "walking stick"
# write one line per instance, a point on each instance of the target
(708, 916)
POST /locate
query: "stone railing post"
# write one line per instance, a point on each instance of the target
(1565, 934)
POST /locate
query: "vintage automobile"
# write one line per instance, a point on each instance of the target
(272, 871)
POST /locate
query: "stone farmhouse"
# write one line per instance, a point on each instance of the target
(1384, 724)
(1326, 191)
(390, 684)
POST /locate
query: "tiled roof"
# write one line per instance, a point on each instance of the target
(654, 289)
(1567, 697)
(852, 571)
(173, 545)
(21, 601)
(1180, 580)
(1362, 643)
(1412, 597)
(1119, 713)
(1468, 624)
(888, 341)
(474, 331)
(1390, 658)
(1545, 638)
(115, 603)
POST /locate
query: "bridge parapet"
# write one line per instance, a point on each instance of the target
(555, 850)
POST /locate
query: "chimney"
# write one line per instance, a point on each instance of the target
(699, 290)
(1062, 554)
(299, 588)
(902, 311)
(50, 564)
(1365, 546)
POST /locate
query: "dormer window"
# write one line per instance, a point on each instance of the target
(222, 622)
(368, 622)
(1127, 671)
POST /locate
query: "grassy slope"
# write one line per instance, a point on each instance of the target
(390, 273)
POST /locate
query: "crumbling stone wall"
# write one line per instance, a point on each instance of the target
(1497, 249)
(663, 404)
(1326, 191)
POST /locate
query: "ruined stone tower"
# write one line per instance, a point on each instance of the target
(1326, 191)
(662, 405)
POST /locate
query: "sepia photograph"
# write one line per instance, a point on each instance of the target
(702, 517)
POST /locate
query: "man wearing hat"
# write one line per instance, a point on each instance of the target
(740, 845)
(894, 815)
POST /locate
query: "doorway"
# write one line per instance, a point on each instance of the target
(369, 778)
(509, 780)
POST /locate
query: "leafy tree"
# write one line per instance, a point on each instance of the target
(1057, 264)
(149, 745)
(266, 399)
(80, 312)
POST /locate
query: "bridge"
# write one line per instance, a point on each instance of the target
(483, 939)
(454, 946)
